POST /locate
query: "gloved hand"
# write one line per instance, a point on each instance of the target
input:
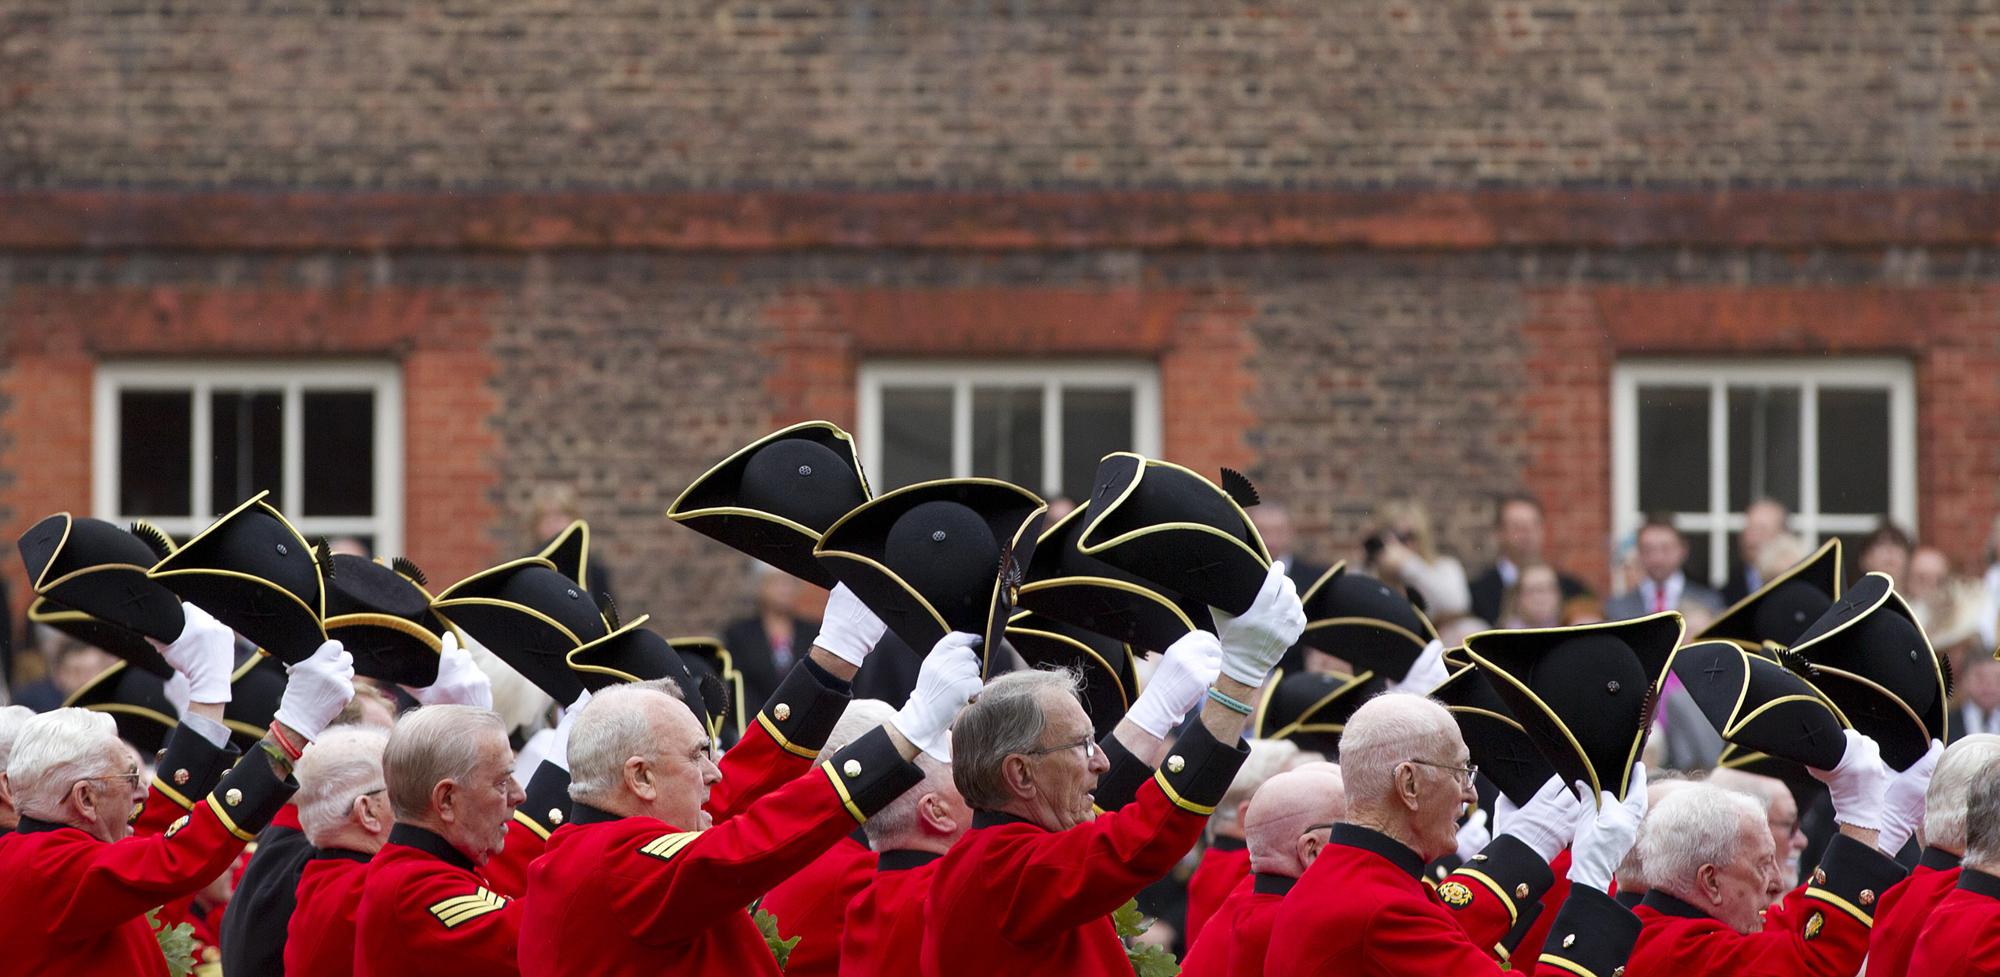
(1426, 673)
(947, 681)
(1859, 783)
(1546, 823)
(316, 690)
(849, 629)
(1473, 835)
(459, 680)
(1604, 836)
(1903, 803)
(559, 743)
(1184, 675)
(1253, 642)
(205, 652)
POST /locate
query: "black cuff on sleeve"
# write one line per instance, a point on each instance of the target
(1592, 935)
(826, 678)
(250, 795)
(191, 766)
(547, 805)
(801, 714)
(1510, 870)
(869, 773)
(1437, 870)
(1198, 770)
(1851, 876)
(1120, 784)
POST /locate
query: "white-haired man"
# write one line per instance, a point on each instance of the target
(11, 720)
(343, 808)
(1962, 938)
(1781, 813)
(883, 935)
(1363, 907)
(1902, 911)
(1226, 861)
(1285, 825)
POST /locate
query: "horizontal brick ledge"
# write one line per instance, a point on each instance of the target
(761, 221)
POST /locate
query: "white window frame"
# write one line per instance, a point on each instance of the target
(1897, 376)
(290, 377)
(960, 376)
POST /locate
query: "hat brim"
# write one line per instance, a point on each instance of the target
(1718, 676)
(569, 552)
(1186, 559)
(529, 641)
(1500, 746)
(1881, 597)
(1065, 585)
(127, 644)
(1737, 623)
(707, 508)
(1108, 685)
(271, 617)
(146, 725)
(731, 721)
(389, 648)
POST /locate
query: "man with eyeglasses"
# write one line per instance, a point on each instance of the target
(343, 808)
(1286, 826)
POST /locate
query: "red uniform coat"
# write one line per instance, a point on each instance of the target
(884, 931)
(1239, 934)
(1211, 955)
(1223, 867)
(1903, 910)
(320, 938)
(1962, 938)
(1529, 948)
(1820, 930)
(1363, 909)
(1012, 898)
(812, 904)
(426, 911)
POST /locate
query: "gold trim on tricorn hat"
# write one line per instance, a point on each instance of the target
(1110, 677)
(137, 702)
(1500, 746)
(1311, 708)
(777, 496)
(1365, 622)
(714, 668)
(1785, 606)
(92, 566)
(252, 571)
(1875, 662)
(1762, 705)
(530, 616)
(1178, 531)
(1065, 585)
(381, 613)
(127, 644)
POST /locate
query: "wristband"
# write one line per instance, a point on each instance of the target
(1230, 702)
(285, 744)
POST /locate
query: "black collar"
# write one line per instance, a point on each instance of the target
(1979, 883)
(30, 825)
(1371, 840)
(581, 813)
(859, 837)
(1629, 899)
(1266, 884)
(332, 854)
(1667, 905)
(1938, 859)
(1225, 843)
(904, 859)
(431, 843)
(994, 819)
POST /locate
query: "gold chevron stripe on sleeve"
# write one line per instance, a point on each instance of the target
(462, 909)
(668, 845)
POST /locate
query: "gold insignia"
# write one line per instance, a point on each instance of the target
(1815, 923)
(175, 828)
(668, 845)
(851, 768)
(458, 910)
(1175, 764)
(781, 712)
(1455, 894)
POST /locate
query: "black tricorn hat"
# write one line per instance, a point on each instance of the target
(381, 613)
(528, 615)
(1311, 708)
(98, 633)
(1365, 622)
(1874, 661)
(95, 567)
(937, 557)
(136, 700)
(256, 688)
(569, 552)
(1500, 746)
(1785, 605)
(1761, 705)
(1584, 694)
(776, 497)
(255, 573)
(1110, 680)
(1177, 530)
(1806, 789)
(714, 672)
(634, 653)
(1065, 585)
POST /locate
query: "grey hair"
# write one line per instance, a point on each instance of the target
(1701, 824)
(611, 729)
(1982, 819)
(340, 766)
(1386, 731)
(1006, 719)
(55, 750)
(429, 746)
(1944, 802)
(861, 716)
(12, 718)
(891, 827)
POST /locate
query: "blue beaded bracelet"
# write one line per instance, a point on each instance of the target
(1232, 703)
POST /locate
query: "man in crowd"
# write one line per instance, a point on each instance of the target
(343, 809)
(1286, 825)
(1763, 521)
(883, 933)
(11, 720)
(1518, 532)
(1226, 861)
(1781, 813)
(1979, 711)
(1663, 583)
(1962, 938)
(1902, 911)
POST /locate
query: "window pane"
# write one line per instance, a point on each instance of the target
(1095, 423)
(916, 435)
(1007, 434)
(1853, 450)
(339, 453)
(246, 429)
(1673, 449)
(1763, 446)
(155, 459)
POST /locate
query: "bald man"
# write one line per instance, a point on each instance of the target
(1285, 826)
(1226, 862)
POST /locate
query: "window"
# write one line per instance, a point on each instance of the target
(1043, 426)
(180, 443)
(1835, 441)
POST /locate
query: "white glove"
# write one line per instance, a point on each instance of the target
(1858, 783)
(1546, 823)
(1904, 802)
(559, 743)
(848, 629)
(1253, 643)
(1184, 675)
(205, 652)
(459, 680)
(316, 690)
(1426, 673)
(947, 681)
(1473, 835)
(1605, 836)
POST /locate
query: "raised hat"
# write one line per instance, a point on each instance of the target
(569, 552)
(1311, 708)
(1760, 705)
(1785, 606)
(98, 633)
(92, 566)
(1873, 660)
(776, 497)
(1365, 622)
(136, 700)
(1065, 585)
(635, 653)
(381, 613)
(255, 573)
(714, 671)
(1110, 679)
(1500, 746)
(528, 615)
(1177, 530)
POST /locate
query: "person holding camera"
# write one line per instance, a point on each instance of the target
(1401, 553)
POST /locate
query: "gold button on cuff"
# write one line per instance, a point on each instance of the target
(1521, 891)
(1175, 764)
(1569, 941)
(852, 768)
(181, 776)
(1819, 876)
(555, 815)
(1868, 897)
(233, 797)
(781, 711)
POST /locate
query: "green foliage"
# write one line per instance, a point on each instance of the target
(176, 942)
(781, 948)
(1147, 960)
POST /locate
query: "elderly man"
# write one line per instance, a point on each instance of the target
(1781, 814)
(1363, 907)
(883, 935)
(1285, 826)
(1227, 860)
(1709, 856)
(639, 882)
(1631, 876)
(1962, 939)
(343, 808)
(79, 883)
(11, 720)
(1902, 911)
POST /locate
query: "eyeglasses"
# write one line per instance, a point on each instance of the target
(1323, 826)
(131, 778)
(1469, 771)
(1087, 745)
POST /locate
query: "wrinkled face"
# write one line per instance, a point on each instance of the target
(1442, 794)
(481, 807)
(684, 770)
(109, 801)
(1746, 882)
(1065, 765)
(1787, 841)
(1521, 532)
(1540, 601)
(1661, 552)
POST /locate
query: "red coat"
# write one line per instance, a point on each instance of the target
(1962, 938)
(320, 938)
(1903, 910)
(1529, 948)
(884, 931)
(1223, 866)
(426, 911)
(1239, 934)
(812, 904)
(1012, 898)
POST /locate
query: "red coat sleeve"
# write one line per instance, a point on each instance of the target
(1487, 893)
(781, 742)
